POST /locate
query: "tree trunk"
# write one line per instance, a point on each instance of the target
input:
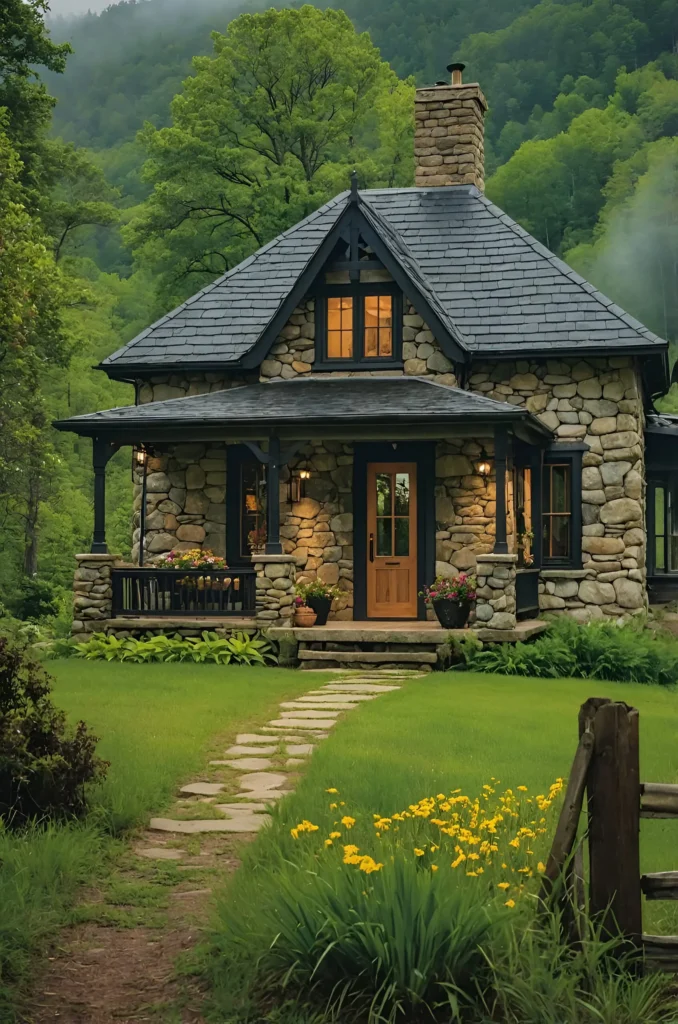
(31, 528)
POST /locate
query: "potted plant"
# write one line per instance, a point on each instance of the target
(318, 596)
(303, 615)
(196, 558)
(451, 599)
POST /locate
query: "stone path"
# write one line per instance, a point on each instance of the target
(260, 768)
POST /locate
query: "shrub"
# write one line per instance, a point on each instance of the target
(625, 653)
(38, 599)
(316, 588)
(238, 649)
(45, 767)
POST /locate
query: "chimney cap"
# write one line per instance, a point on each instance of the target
(457, 66)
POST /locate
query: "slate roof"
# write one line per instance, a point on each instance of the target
(497, 291)
(311, 401)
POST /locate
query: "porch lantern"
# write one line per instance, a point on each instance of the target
(484, 466)
(140, 461)
(298, 477)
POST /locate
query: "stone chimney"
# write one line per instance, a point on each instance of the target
(448, 142)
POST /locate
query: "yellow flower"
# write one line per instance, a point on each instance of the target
(349, 850)
(328, 842)
(368, 865)
(523, 789)
(510, 903)
(333, 807)
(332, 790)
(418, 852)
(347, 821)
(335, 835)
(434, 867)
(294, 832)
(541, 867)
(504, 885)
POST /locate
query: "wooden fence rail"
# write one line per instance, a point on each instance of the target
(606, 770)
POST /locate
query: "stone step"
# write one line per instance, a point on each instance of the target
(376, 657)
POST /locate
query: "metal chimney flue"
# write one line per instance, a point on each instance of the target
(457, 72)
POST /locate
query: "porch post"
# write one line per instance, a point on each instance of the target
(500, 456)
(273, 545)
(101, 453)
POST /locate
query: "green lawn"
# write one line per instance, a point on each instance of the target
(459, 729)
(157, 723)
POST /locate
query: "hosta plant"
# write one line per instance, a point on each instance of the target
(238, 649)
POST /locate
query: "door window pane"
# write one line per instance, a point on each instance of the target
(557, 512)
(659, 528)
(402, 537)
(378, 338)
(384, 494)
(340, 327)
(253, 507)
(384, 541)
(402, 494)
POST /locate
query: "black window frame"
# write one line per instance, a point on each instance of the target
(358, 291)
(666, 480)
(570, 455)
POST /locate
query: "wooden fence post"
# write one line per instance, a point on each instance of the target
(613, 788)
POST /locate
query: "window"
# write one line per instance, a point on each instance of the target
(557, 538)
(561, 511)
(361, 325)
(663, 516)
(245, 504)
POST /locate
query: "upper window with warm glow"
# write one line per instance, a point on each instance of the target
(360, 327)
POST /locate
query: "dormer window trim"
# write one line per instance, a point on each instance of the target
(358, 292)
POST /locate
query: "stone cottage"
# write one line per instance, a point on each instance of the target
(403, 385)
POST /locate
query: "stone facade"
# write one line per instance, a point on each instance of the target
(449, 135)
(465, 506)
(185, 500)
(599, 402)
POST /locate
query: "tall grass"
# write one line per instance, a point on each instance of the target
(41, 870)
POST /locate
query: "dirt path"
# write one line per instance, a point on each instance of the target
(117, 963)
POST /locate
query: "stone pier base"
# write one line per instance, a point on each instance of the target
(276, 575)
(92, 593)
(496, 592)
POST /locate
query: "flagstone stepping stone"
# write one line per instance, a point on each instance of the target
(329, 707)
(252, 737)
(160, 853)
(239, 823)
(203, 788)
(292, 761)
(360, 688)
(251, 764)
(306, 723)
(308, 713)
(240, 748)
(300, 749)
(316, 697)
(245, 805)
(263, 780)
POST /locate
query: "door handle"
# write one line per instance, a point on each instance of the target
(371, 547)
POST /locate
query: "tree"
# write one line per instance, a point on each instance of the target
(262, 134)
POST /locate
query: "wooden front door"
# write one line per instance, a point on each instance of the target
(392, 540)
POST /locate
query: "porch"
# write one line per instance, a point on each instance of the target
(374, 485)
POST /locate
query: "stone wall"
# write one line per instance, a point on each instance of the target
(185, 506)
(496, 593)
(465, 506)
(318, 530)
(276, 575)
(597, 401)
(163, 386)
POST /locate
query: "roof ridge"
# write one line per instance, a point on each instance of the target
(569, 272)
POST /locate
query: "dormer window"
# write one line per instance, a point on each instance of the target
(359, 325)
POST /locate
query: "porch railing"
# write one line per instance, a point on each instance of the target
(183, 592)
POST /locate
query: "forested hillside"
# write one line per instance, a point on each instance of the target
(147, 197)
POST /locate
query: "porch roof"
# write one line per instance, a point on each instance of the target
(300, 407)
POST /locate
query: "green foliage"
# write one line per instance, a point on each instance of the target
(238, 649)
(39, 599)
(45, 767)
(316, 588)
(621, 653)
(264, 132)
(398, 944)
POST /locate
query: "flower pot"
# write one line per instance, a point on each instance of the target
(321, 606)
(452, 614)
(304, 617)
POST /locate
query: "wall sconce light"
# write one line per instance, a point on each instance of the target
(140, 457)
(484, 465)
(140, 462)
(298, 478)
